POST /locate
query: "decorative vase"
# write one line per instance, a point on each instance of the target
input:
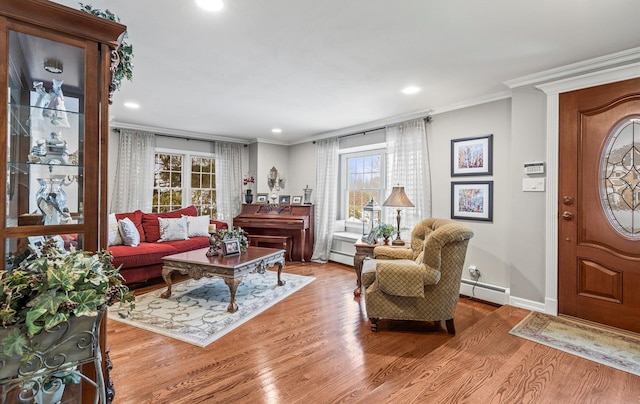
(248, 198)
(51, 396)
(307, 195)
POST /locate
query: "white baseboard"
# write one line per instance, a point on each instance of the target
(528, 304)
(484, 291)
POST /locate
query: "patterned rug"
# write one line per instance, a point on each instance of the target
(617, 349)
(197, 312)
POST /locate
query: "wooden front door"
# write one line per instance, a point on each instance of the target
(599, 205)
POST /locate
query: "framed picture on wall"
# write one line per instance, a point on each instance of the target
(472, 200)
(472, 156)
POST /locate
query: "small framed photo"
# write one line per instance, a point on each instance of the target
(370, 238)
(262, 198)
(472, 200)
(297, 200)
(472, 156)
(285, 199)
(58, 239)
(231, 246)
(35, 244)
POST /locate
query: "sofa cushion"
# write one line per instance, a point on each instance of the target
(152, 227)
(136, 218)
(198, 225)
(192, 244)
(173, 229)
(144, 254)
(114, 230)
(129, 233)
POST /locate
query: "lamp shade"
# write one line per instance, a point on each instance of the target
(398, 199)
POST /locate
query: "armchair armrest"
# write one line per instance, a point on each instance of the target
(390, 253)
(405, 277)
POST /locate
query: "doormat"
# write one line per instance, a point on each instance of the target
(197, 312)
(617, 349)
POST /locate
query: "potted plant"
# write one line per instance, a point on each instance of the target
(216, 239)
(248, 179)
(385, 231)
(57, 295)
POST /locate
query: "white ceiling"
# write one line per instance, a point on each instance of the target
(314, 67)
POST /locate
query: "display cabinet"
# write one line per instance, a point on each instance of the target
(56, 69)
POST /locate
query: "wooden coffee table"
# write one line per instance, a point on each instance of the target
(231, 268)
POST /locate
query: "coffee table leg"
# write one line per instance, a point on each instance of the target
(280, 281)
(232, 284)
(166, 275)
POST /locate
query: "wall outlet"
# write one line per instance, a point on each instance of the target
(474, 272)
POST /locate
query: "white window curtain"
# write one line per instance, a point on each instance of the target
(326, 198)
(228, 180)
(408, 166)
(133, 188)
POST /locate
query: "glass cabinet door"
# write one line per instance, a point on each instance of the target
(45, 138)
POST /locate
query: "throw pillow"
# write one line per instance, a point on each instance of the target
(114, 231)
(129, 233)
(198, 226)
(173, 229)
(150, 221)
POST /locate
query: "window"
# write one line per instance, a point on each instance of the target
(170, 186)
(363, 176)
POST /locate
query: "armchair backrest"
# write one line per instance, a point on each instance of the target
(422, 230)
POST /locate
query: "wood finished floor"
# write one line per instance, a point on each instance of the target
(316, 347)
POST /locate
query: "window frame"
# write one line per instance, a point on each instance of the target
(185, 174)
(355, 152)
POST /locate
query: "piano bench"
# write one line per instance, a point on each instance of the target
(283, 242)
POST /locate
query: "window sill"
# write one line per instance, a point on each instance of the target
(346, 236)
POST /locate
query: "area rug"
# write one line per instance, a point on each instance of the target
(197, 312)
(609, 347)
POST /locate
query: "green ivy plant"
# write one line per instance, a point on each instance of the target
(46, 290)
(385, 231)
(124, 70)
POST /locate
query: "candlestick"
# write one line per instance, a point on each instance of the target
(212, 228)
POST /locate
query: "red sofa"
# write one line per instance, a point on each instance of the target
(144, 261)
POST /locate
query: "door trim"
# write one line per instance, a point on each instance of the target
(553, 90)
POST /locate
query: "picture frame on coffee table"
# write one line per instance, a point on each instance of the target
(231, 247)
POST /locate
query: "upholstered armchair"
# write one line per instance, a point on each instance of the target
(421, 283)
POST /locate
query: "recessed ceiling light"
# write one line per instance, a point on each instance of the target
(276, 130)
(210, 5)
(132, 105)
(411, 90)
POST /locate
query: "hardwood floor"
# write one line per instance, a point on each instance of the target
(316, 346)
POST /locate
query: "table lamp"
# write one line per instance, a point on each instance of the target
(399, 200)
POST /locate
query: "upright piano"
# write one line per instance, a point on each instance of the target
(295, 221)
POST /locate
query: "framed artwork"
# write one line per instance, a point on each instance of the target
(296, 199)
(262, 198)
(285, 199)
(371, 237)
(472, 156)
(35, 243)
(472, 200)
(231, 246)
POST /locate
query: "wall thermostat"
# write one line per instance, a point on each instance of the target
(534, 167)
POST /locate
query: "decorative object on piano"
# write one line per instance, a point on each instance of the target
(371, 213)
(247, 181)
(307, 195)
(285, 199)
(399, 200)
(262, 198)
(296, 200)
(231, 247)
(384, 231)
(219, 236)
(275, 182)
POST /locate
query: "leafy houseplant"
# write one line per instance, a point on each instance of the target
(124, 70)
(385, 231)
(42, 292)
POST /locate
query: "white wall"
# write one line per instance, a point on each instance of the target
(268, 156)
(489, 248)
(302, 163)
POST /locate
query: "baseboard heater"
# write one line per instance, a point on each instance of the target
(485, 291)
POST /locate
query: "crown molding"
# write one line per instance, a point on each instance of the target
(611, 75)
(618, 58)
(177, 133)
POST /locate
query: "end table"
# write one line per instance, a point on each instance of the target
(364, 250)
